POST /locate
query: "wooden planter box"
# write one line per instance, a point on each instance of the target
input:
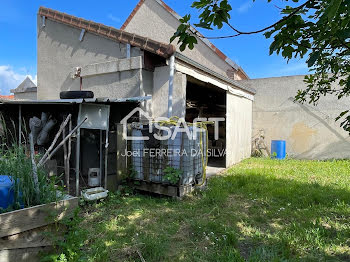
(22, 232)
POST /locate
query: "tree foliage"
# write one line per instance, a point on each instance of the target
(316, 29)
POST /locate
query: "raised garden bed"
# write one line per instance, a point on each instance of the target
(23, 233)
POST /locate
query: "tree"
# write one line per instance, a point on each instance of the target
(318, 29)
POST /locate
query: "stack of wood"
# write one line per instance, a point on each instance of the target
(52, 150)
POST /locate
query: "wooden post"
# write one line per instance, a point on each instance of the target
(69, 153)
(122, 169)
(77, 164)
(106, 159)
(101, 157)
(19, 124)
(77, 157)
(65, 156)
(35, 171)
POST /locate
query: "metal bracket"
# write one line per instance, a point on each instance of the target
(82, 33)
(76, 72)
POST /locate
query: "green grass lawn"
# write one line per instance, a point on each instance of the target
(260, 210)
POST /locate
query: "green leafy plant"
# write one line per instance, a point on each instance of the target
(69, 249)
(172, 175)
(132, 173)
(16, 163)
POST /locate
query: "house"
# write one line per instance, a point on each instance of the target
(156, 20)
(77, 54)
(26, 90)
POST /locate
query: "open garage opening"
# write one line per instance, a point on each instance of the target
(204, 100)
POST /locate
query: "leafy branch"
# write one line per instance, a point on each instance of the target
(319, 29)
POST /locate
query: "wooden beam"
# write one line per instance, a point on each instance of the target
(34, 167)
(62, 127)
(29, 218)
(43, 161)
(22, 255)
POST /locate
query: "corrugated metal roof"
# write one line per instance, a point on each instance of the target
(78, 101)
(234, 83)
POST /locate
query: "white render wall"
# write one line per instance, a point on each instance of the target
(26, 96)
(310, 131)
(238, 128)
(59, 51)
(161, 91)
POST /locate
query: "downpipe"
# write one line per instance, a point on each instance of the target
(171, 86)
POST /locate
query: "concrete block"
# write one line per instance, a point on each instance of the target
(119, 65)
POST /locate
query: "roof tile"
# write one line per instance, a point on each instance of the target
(205, 41)
(161, 49)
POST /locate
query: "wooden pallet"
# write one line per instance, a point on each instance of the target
(162, 189)
(23, 233)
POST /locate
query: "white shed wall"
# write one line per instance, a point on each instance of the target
(238, 129)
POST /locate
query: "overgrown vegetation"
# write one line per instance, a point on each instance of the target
(68, 249)
(260, 210)
(14, 162)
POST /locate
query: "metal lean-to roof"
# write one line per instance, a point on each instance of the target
(234, 83)
(78, 101)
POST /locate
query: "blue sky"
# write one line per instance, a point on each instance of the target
(18, 34)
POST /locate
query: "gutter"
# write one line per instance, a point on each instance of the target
(158, 48)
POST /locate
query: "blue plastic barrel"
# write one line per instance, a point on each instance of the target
(278, 149)
(6, 191)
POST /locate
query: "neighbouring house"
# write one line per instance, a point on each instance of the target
(156, 20)
(311, 131)
(26, 90)
(119, 64)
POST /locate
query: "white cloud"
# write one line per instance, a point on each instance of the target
(9, 79)
(245, 7)
(113, 18)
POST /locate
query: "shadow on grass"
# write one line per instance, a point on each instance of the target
(300, 220)
(241, 216)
